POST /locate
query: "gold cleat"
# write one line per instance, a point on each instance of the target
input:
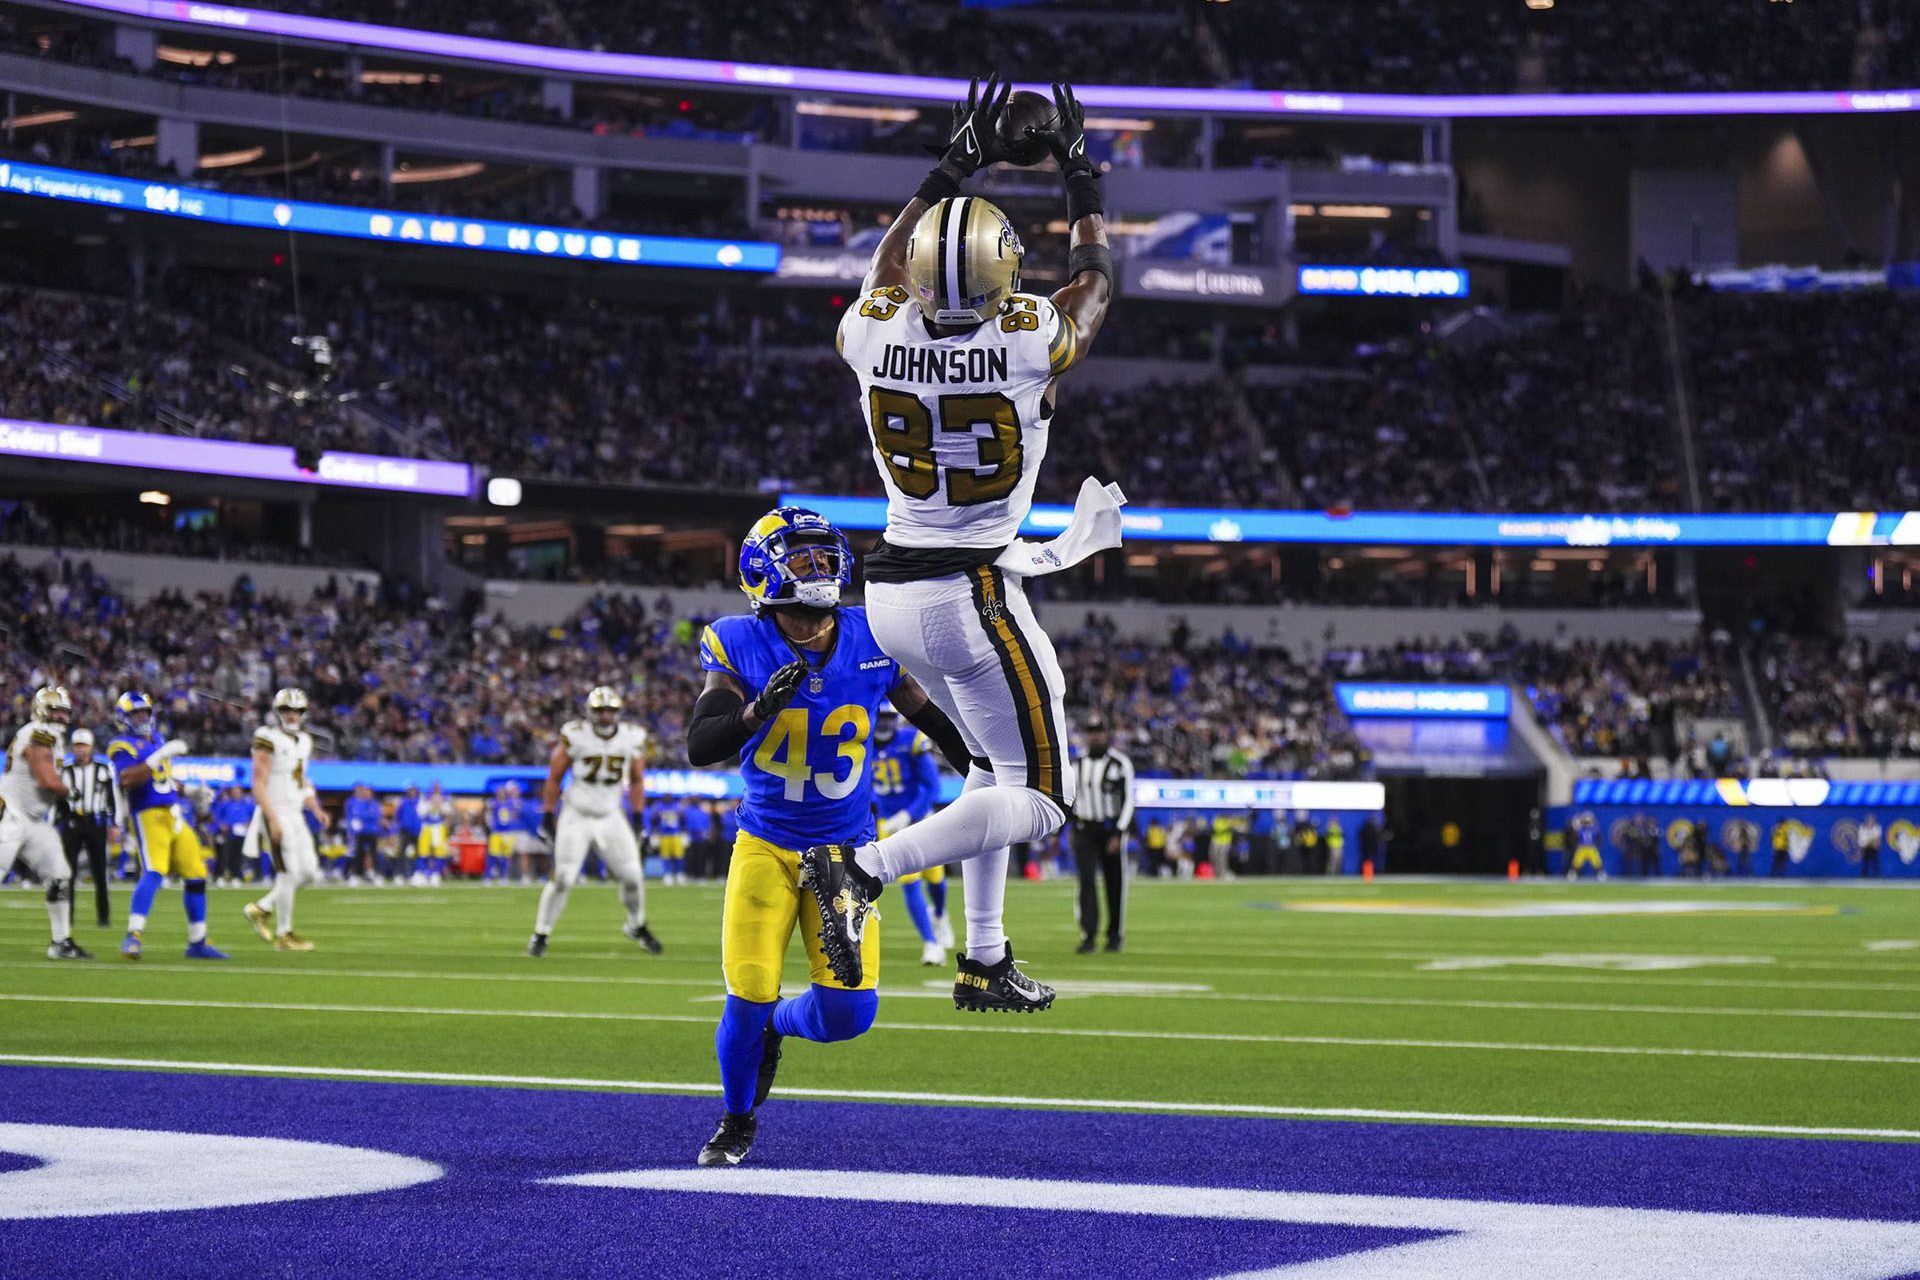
(261, 919)
(291, 941)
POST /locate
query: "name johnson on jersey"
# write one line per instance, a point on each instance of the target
(933, 364)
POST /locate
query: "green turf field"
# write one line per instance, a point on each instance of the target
(1774, 1007)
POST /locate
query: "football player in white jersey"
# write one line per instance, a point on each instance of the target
(29, 788)
(282, 753)
(606, 758)
(957, 369)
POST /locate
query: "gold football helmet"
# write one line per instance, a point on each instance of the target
(290, 705)
(603, 709)
(964, 258)
(52, 705)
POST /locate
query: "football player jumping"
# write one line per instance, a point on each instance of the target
(957, 370)
(792, 690)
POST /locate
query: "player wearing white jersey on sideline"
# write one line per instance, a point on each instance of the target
(957, 369)
(282, 756)
(29, 788)
(606, 758)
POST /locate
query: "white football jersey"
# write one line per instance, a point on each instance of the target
(958, 424)
(600, 765)
(17, 787)
(287, 775)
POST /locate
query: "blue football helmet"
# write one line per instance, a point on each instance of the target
(130, 704)
(784, 535)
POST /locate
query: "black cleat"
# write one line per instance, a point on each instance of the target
(644, 936)
(1085, 948)
(769, 1063)
(537, 945)
(998, 988)
(67, 949)
(730, 1142)
(1113, 944)
(845, 897)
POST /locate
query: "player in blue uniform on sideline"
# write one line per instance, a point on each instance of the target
(906, 782)
(162, 830)
(792, 691)
(506, 819)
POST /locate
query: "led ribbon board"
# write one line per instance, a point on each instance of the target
(56, 443)
(201, 204)
(266, 24)
(1425, 701)
(1378, 528)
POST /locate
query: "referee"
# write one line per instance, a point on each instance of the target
(93, 804)
(1102, 817)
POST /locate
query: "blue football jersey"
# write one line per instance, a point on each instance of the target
(807, 775)
(905, 775)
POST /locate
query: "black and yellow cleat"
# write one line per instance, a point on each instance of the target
(730, 1142)
(261, 919)
(845, 897)
(998, 988)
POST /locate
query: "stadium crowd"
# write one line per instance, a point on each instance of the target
(1393, 45)
(1628, 701)
(1842, 697)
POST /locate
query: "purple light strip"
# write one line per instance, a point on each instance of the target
(1254, 102)
(104, 447)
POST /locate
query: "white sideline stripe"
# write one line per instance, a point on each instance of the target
(1482, 1239)
(1599, 977)
(981, 1099)
(1092, 1033)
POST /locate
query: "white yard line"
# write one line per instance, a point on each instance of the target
(979, 1099)
(971, 1028)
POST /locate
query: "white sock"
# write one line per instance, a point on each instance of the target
(985, 885)
(633, 896)
(135, 923)
(59, 913)
(553, 900)
(283, 902)
(197, 931)
(985, 819)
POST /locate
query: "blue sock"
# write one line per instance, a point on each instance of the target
(193, 896)
(738, 1044)
(145, 892)
(937, 895)
(913, 893)
(826, 1014)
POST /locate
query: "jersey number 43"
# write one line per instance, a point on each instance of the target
(784, 753)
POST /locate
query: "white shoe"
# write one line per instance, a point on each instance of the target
(943, 932)
(934, 955)
(418, 879)
(434, 879)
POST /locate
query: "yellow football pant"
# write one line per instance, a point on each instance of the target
(932, 875)
(166, 842)
(500, 844)
(1586, 856)
(432, 842)
(675, 846)
(763, 904)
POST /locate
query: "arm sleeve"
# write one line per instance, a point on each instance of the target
(944, 734)
(718, 728)
(926, 779)
(1125, 820)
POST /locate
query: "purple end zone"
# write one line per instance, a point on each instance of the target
(490, 1215)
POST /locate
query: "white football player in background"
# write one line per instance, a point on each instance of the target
(606, 758)
(29, 788)
(282, 752)
(957, 369)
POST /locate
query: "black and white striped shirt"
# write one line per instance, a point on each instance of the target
(92, 791)
(1104, 789)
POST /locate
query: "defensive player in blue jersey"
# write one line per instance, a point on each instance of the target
(906, 782)
(162, 832)
(792, 690)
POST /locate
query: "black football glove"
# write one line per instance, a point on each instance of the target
(781, 686)
(975, 142)
(1067, 140)
(546, 827)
